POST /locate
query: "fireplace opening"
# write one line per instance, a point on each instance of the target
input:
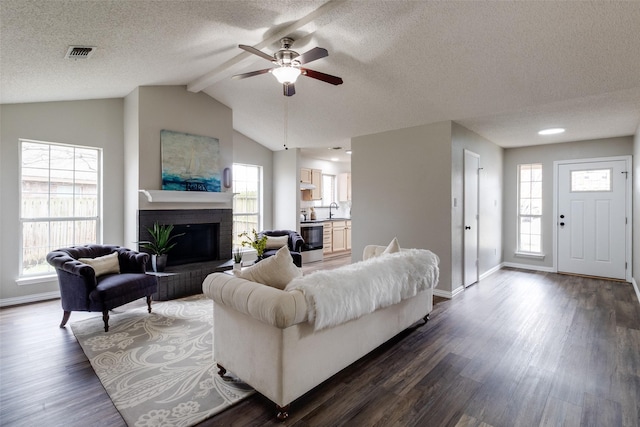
(199, 243)
(207, 234)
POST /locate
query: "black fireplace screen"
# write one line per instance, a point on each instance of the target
(198, 243)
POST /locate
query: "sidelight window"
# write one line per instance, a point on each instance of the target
(530, 208)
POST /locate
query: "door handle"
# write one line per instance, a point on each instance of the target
(466, 227)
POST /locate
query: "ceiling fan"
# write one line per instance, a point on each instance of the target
(289, 65)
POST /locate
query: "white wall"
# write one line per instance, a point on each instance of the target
(131, 166)
(547, 154)
(128, 130)
(172, 108)
(490, 201)
(636, 210)
(401, 187)
(247, 151)
(286, 186)
(96, 123)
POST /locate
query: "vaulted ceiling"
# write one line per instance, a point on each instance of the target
(503, 69)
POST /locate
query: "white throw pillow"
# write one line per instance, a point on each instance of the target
(392, 247)
(102, 265)
(276, 242)
(275, 271)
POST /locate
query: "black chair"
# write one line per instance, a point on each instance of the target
(81, 290)
(295, 243)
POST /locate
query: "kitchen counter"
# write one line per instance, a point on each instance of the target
(313, 221)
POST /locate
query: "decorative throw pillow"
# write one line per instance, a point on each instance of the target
(102, 265)
(276, 242)
(276, 271)
(392, 247)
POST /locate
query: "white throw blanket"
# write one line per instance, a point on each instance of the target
(337, 296)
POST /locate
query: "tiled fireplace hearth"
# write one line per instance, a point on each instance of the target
(204, 248)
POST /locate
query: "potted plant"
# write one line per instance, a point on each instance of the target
(259, 243)
(159, 245)
(237, 259)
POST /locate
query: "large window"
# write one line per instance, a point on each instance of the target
(247, 203)
(60, 201)
(530, 208)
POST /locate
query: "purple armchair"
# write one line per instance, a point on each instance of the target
(81, 290)
(295, 243)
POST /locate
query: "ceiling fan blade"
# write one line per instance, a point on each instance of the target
(251, 74)
(255, 51)
(312, 55)
(289, 89)
(321, 76)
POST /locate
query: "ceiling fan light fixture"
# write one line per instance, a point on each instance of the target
(286, 74)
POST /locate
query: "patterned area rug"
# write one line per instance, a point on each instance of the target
(158, 368)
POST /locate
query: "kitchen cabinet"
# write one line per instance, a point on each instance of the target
(337, 237)
(344, 187)
(305, 176)
(314, 177)
(326, 237)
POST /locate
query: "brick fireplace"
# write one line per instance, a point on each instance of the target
(204, 248)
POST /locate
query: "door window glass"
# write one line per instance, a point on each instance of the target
(591, 180)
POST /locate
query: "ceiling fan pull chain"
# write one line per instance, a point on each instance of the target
(286, 121)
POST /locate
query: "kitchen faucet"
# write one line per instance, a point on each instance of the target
(333, 204)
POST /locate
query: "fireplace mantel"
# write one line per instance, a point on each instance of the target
(165, 196)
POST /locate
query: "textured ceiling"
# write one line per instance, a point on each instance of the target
(503, 69)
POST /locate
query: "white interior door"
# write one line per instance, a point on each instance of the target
(471, 197)
(592, 218)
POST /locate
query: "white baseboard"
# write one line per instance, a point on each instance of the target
(490, 271)
(635, 287)
(442, 294)
(6, 302)
(446, 294)
(529, 267)
(449, 295)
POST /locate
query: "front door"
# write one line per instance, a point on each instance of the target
(592, 218)
(471, 173)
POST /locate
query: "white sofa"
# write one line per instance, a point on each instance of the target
(264, 336)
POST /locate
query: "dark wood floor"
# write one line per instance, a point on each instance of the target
(519, 348)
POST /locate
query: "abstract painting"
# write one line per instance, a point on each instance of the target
(190, 162)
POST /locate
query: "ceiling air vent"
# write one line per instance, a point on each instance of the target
(79, 52)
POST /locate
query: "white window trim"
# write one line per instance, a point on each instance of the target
(518, 252)
(36, 280)
(47, 277)
(260, 212)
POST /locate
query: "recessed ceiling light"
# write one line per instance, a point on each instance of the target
(348, 151)
(334, 159)
(552, 131)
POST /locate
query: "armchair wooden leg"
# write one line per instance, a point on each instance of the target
(283, 412)
(65, 318)
(221, 370)
(105, 318)
(149, 302)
